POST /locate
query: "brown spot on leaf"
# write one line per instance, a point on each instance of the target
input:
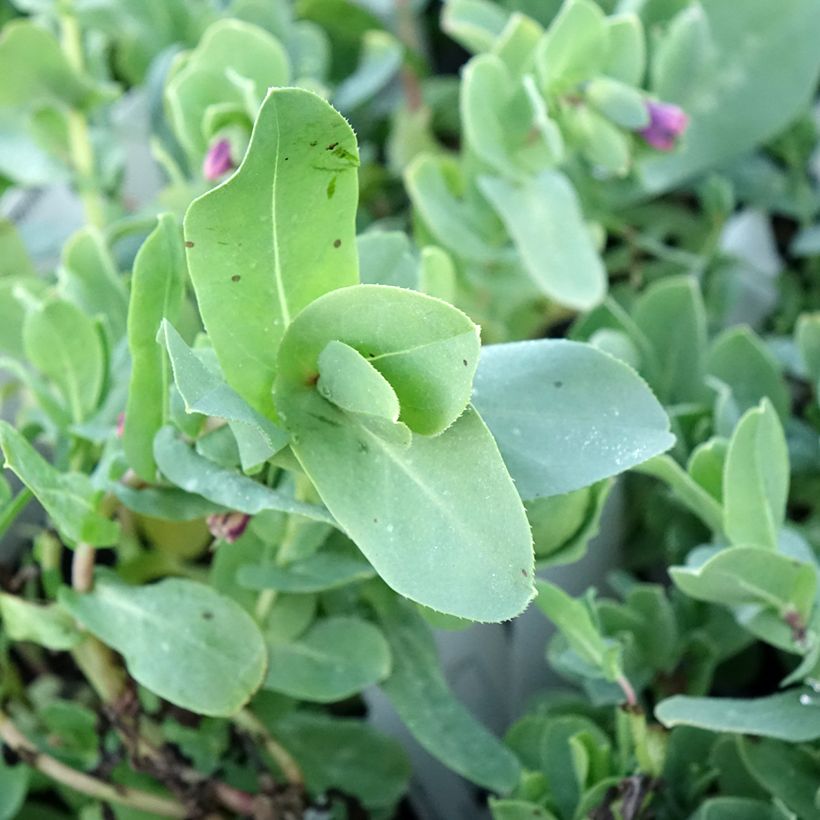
(331, 146)
(189, 244)
(235, 278)
(312, 379)
(337, 243)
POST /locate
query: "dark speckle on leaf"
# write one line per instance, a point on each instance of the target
(313, 143)
(337, 243)
(207, 616)
(331, 146)
(363, 448)
(235, 278)
(524, 572)
(464, 361)
(287, 158)
(557, 384)
(331, 188)
(189, 244)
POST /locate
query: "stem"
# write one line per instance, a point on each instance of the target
(410, 37)
(79, 138)
(252, 725)
(13, 509)
(100, 668)
(82, 568)
(629, 692)
(81, 782)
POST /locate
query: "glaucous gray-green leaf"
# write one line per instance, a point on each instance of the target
(336, 658)
(475, 24)
(574, 47)
(547, 227)
(14, 258)
(65, 345)
(542, 402)
(437, 275)
(351, 382)
(516, 44)
(169, 503)
(518, 810)
(88, 277)
(739, 359)
(345, 754)
(327, 569)
(572, 618)
(788, 772)
(70, 499)
(730, 808)
(180, 639)
(204, 391)
(759, 70)
(751, 575)
(807, 337)
(427, 350)
(379, 59)
(671, 315)
(157, 289)
(274, 237)
(618, 102)
(234, 63)
(756, 479)
(626, 58)
(421, 697)
(793, 715)
(191, 472)
(386, 258)
(47, 625)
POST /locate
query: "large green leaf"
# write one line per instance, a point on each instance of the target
(334, 659)
(544, 219)
(69, 498)
(275, 236)
(196, 474)
(157, 288)
(204, 391)
(756, 479)
(66, 346)
(755, 72)
(542, 402)
(792, 715)
(13, 788)
(180, 639)
(345, 754)
(47, 625)
(419, 693)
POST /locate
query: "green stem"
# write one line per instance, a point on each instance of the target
(79, 138)
(100, 668)
(9, 513)
(81, 782)
(253, 726)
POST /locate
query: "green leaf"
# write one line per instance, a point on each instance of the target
(88, 278)
(421, 697)
(327, 569)
(544, 219)
(204, 391)
(234, 63)
(750, 575)
(739, 359)
(618, 102)
(274, 237)
(35, 70)
(157, 290)
(574, 47)
(334, 659)
(785, 716)
(46, 625)
(70, 499)
(13, 789)
(14, 258)
(345, 754)
(353, 383)
(195, 474)
(756, 479)
(475, 24)
(758, 71)
(789, 773)
(542, 402)
(379, 59)
(670, 313)
(730, 808)
(65, 345)
(516, 44)
(169, 503)
(574, 622)
(518, 810)
(386, 258)
(807, 337)
(437, 276)
(626, 60)
(180, 639)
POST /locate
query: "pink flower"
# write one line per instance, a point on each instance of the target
(666, 123)
(218, 160)
(228, 526)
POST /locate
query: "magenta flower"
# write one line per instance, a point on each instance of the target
(228, 526)
(218, 160)
(666, 123)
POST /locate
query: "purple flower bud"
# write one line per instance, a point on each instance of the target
(218, 160)
(228, 526)
(120, 425)
(666, 123)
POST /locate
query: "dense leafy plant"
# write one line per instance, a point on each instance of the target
(263, 451)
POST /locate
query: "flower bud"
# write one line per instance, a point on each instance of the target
(666, 123)
(218, 160)
(228, 526)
